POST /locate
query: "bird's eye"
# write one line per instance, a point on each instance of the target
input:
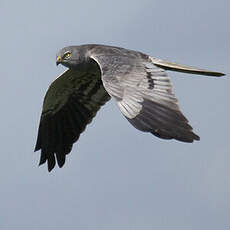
(66, 55)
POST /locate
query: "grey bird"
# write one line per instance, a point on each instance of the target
(138, 82)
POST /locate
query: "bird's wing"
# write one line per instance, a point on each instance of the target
(71, 102)
(183, 68)
(144, 95)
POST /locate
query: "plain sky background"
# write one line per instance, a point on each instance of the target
(116, 178)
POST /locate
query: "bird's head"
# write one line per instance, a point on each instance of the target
(69, 56)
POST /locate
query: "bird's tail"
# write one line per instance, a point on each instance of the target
(183, 68)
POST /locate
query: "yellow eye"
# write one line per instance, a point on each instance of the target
(66, 55)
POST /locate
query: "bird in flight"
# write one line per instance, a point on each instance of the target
(138, 82)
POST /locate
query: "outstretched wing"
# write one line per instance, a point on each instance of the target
(184, 68)
(71, 102)
(144, 94)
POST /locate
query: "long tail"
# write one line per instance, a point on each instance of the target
(185, 69)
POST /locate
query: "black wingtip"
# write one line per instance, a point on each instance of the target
(196, 137)
(51, 162)
(218, 74)
(60, 159)
(189, 138)
(37, 146)
(36, 149)
(43, 158)
(50, 169)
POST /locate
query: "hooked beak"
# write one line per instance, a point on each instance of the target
(58, 60)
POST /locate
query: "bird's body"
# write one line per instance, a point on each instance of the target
(138, 83)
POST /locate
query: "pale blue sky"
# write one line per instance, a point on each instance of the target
(116, 177)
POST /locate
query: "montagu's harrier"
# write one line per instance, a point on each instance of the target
(139, 83)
